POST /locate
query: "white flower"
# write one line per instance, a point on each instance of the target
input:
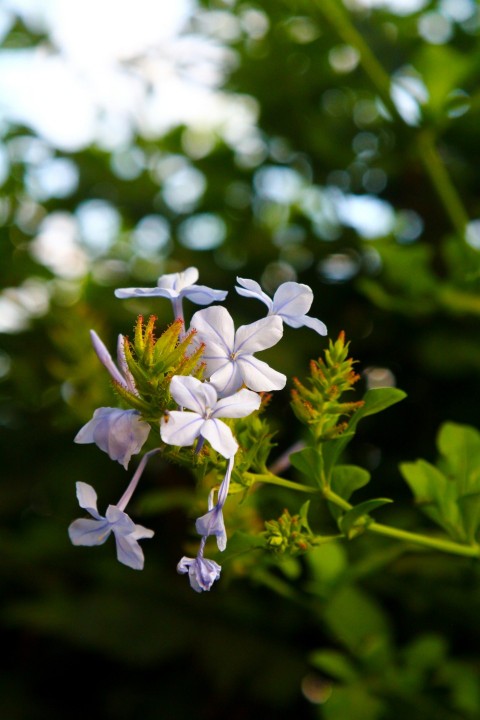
(229, 355)
(119, 433)
(291, 303)
(95, 532)
(201, 419)
(177, 286)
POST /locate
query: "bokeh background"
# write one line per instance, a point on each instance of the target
(331, 143)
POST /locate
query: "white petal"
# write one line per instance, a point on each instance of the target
(106, 359)
(241, 404)
(193, 394)
(259, 376)
(227, 379)
(181, 428)
(123, 293)
(220, 437)
(292, 299)
(259, 335)
(120, 433)
(307, 321)
(203, 295)
(215, 324)
(87, 499)
(183, 279)
(252, 289)
(89, 532)
(129, 552)
(141, 532)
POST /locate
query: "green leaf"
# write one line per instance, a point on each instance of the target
(335, 664)
(436, 494)
(309, 462)
(348, 478)
(353, 519)
(353, 701)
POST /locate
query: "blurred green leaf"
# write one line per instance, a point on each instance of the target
(358, 516)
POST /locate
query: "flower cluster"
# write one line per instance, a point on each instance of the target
(187, 384)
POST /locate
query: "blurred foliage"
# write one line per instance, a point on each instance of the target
(357, 174)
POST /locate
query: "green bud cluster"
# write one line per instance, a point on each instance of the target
(318, 403)
(153, 362)
(289, 534)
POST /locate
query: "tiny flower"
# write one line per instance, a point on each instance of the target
(212, 522)
(202, 573)
(95, 532)
(119, 433)
(176, 286)
(200, 420)
(229, 354)
(121, 376)
(291, 302)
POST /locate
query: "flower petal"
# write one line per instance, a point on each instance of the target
(181, 428)
(89, 532)
(87, 499)
(212, 523)
(202, 573)
(252, 289)
(124, 293)
(259, 335)
(220, 437)
(238, 405)
(203, 295)
(293, 299)
(307, 321)
(129, 552)
(120, 433)
(106, 359)
(179, 281)
(227, 379)
(193, 394)
(215, 325)
(259, 376)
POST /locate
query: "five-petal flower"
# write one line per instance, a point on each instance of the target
(85, 531)
(176, 286)
(229, 354)
(291, 303)
(201, 419)
(119, 433)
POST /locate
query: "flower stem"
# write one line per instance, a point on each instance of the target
(275, 480)
(447, 546)
(125, 499)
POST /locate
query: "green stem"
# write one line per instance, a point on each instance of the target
(431, 159)
(274, 480)
(441, 181)
(434, 543)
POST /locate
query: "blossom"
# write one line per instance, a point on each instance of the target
(202, 572)
(201, 419)
(120, 374)
(176, 286)
(291, 302)
(85, 531)
(212, 522)
(229, 355)
(119, 433)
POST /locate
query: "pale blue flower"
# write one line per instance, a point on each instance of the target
(212, 522)
(176, 286)
(120, 374)
(291, 303)
(201, 419)
(119, 433)
(202, 572)
(95, 532)
(229, 355)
